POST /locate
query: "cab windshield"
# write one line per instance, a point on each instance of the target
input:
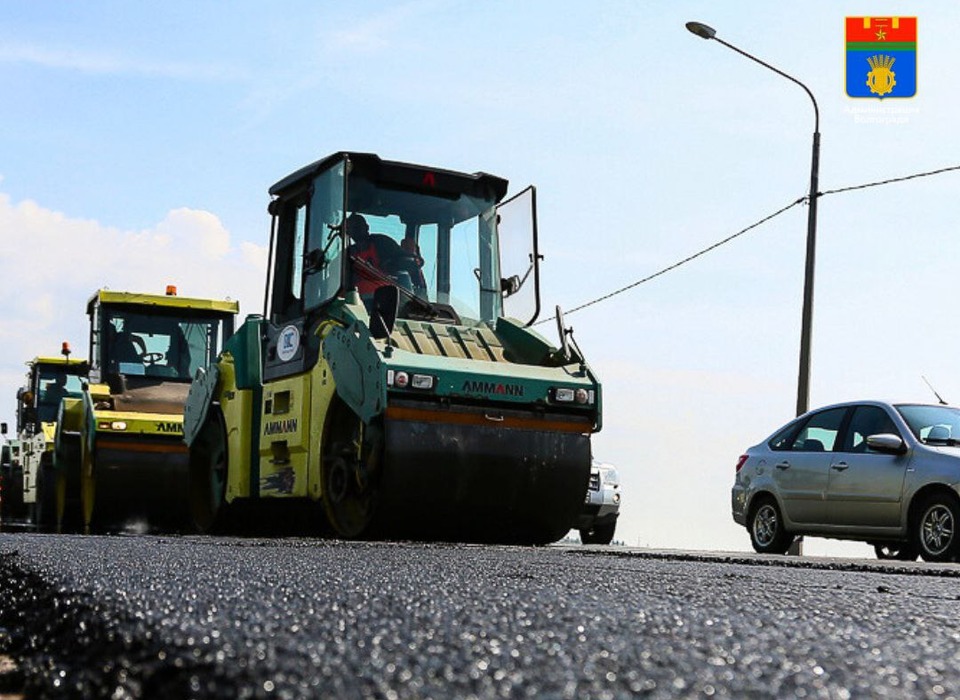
(436, 248)
(54, 384)
(170, 346)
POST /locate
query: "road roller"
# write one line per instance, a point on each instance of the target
(119, 446)
(394, 385)
(30, 487)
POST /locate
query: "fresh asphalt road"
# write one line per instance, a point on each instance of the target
(169, 617)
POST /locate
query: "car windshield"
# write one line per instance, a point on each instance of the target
(932, 424)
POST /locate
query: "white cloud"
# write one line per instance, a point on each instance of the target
(52, 264)
(195, 227)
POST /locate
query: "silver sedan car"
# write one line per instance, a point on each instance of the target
(883, 473)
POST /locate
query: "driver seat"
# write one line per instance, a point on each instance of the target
(125, 350)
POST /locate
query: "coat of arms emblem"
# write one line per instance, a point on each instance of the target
(881, 56)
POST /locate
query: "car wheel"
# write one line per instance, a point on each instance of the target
(935, 530)
(598, 534)
(767, 533)
(899, 551)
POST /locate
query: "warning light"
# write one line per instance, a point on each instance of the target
(171, 290)
(65, 349)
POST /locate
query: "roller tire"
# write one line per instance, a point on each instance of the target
(208, 476)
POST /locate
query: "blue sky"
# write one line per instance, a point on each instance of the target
(138, 142)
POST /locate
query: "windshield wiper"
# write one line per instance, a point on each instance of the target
(432, 311)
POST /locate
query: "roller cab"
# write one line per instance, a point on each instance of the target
(395, 380)
(121, 458)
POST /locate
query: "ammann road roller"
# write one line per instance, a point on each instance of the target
(120, 447)
(395, 380)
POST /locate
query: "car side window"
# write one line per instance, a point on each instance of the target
(784, 439)
(819, 433)
(867, 420)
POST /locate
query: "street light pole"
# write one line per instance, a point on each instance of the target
(803, 380)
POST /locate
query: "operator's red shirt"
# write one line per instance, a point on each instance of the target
(367, 283)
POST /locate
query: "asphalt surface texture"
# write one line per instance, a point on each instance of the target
(169, 617)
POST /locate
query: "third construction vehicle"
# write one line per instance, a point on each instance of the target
(31, 487)
(120, 446)
(395, 377)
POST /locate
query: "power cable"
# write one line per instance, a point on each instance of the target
(891, 180)
(687, 259)
(739, 233)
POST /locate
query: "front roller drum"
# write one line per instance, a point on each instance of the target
(138, 484)
(481, 475)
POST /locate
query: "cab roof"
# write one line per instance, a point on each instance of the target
(407, 175)
(80, 364)
(106, 296)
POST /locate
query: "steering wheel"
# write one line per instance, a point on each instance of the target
(151, 358)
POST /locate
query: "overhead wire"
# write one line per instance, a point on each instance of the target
(752, 226)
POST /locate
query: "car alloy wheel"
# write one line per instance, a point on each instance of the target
(765, 524)
(766, 529)
(936, 529)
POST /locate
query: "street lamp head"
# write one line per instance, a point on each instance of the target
(701, 30)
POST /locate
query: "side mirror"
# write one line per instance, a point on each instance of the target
(314, 261)
(564, 340)
(3, 428)
(510, 285)
(886, 442)
(383, 315)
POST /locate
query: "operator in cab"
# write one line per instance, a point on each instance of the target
(366, 257)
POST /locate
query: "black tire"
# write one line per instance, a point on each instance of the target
(348, 479)
(598, 534)
(767, 533)
(46, 506)
(896, 551)
(68, 484)
(934, 530)
(208, 476)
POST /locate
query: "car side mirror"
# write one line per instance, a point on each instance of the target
(3, 428)
(886, 442)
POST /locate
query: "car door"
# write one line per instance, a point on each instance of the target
(802, 470)
(866, 487)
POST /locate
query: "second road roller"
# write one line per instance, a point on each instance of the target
(121, 442)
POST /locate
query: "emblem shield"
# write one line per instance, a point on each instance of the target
(881, 56)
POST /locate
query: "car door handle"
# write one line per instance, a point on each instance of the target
(783, 465)
(840, 466)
